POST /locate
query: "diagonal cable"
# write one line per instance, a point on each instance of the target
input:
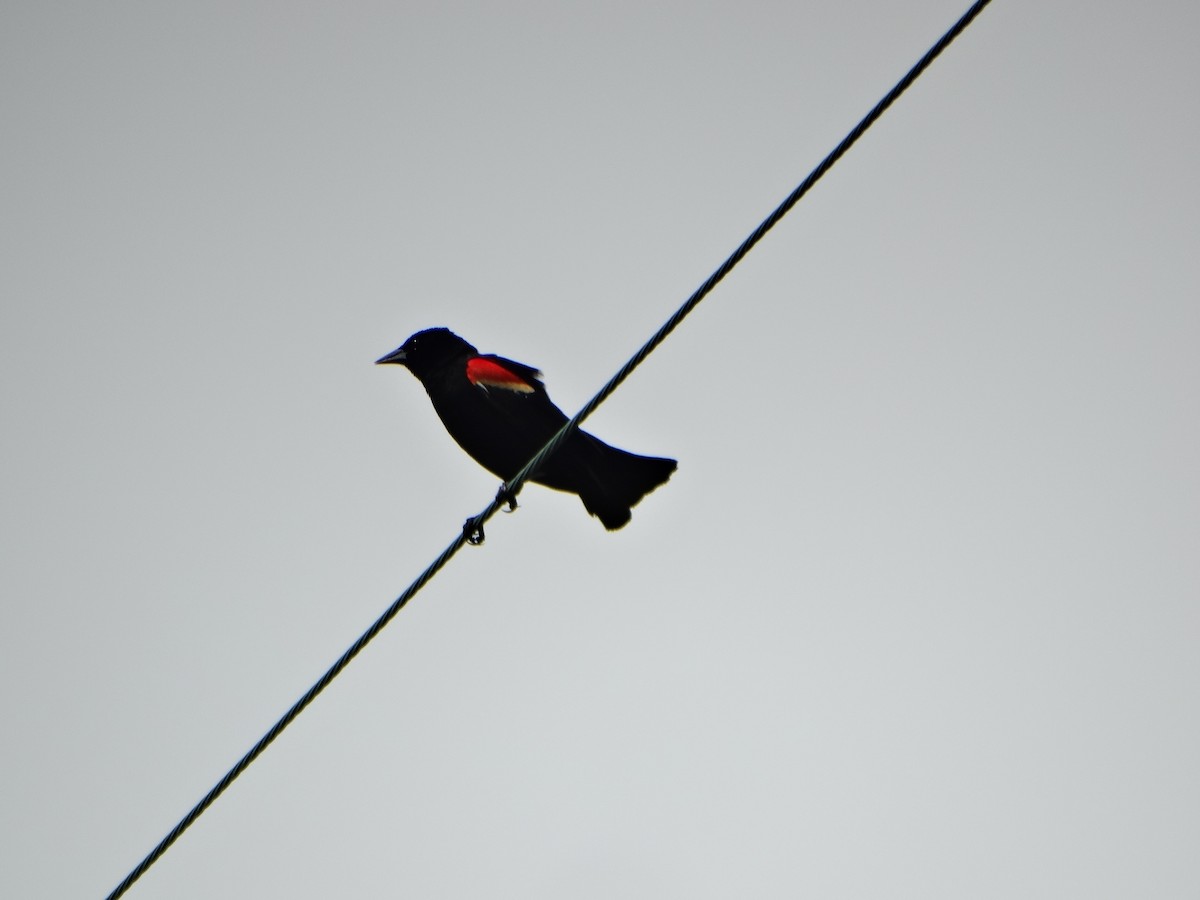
(288, 718)
(514, 486)
(747, 245)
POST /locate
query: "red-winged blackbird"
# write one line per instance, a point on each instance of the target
(499, 412)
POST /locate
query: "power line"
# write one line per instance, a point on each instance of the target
(726, 267)
(473, 530)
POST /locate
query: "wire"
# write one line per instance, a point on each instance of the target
(726, 267)
(288, 717)
(474, 527)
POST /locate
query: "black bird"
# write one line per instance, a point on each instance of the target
(499, 412)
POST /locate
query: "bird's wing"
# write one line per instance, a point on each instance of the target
(515, 394)
(490, 371)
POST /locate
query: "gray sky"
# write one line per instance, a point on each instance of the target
(916, 617)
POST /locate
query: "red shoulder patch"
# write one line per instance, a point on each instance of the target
(488, 373)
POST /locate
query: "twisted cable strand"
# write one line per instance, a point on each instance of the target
(514, 486)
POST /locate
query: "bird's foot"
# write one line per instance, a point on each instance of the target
(473, 530)
(473, 527)
(505, 495)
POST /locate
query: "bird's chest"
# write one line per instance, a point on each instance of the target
(477, 417)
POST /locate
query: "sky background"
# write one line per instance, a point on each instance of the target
(916, 617)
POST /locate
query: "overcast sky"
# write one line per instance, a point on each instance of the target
(917, 616)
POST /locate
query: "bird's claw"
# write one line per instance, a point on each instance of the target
(505, 495)
(473, 530)
(473, 527)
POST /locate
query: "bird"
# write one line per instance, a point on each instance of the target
(499, 412)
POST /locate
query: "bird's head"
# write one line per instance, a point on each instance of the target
(427, 351)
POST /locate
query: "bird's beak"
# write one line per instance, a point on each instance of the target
(396, 357)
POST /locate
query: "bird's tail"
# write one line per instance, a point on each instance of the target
(625, 478)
